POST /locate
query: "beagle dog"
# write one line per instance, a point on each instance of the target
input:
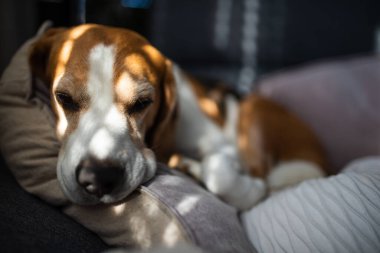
(121, 106)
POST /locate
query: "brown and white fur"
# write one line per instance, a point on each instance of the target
(121, 106)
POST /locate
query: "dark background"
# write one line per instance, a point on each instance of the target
(289, 32)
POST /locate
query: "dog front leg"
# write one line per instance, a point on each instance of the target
(221, 173)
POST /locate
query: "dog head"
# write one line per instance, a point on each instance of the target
(113, 94)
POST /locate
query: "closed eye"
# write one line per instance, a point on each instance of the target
(67, 102)
(140, 105)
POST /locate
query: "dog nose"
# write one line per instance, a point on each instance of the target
(99, 177)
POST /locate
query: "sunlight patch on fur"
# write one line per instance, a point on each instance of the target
(67, 47)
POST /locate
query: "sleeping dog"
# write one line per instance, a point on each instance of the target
(121, 106)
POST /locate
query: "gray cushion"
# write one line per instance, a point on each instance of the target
(337, 214)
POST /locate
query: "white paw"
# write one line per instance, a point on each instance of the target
(247, 193)
(220, 174)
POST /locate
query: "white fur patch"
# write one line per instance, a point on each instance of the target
(100, 76)
(291, 173)
(232, 118)
(221, 174)
(109, 126)
(111, 131)
(203, 136)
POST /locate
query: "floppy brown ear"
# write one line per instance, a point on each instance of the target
(159, 136)
(40, 54)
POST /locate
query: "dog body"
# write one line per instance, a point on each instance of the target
(121, 105)
(231, 145)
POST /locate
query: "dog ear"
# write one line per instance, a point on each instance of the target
(40, 54)
(160, 134)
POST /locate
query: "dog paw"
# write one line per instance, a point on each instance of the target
(222, 177)
(248, 193)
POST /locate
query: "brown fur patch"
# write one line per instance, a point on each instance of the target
(269, 134)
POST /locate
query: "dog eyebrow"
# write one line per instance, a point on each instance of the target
(65, 85)
(143, 90)
(68, 81)
(68, 85)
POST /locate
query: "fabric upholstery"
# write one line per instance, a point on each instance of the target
(27, 224)
(339, 100)
(28, 148)
(337, 214)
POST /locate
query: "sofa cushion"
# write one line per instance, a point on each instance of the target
(339, 100)
(336, 214)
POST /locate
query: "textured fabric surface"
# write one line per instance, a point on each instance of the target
(212, 224)
(29, 225)
(339, 100)
(180, 248)
(337, 214)
(166, 211)
(27, 138)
